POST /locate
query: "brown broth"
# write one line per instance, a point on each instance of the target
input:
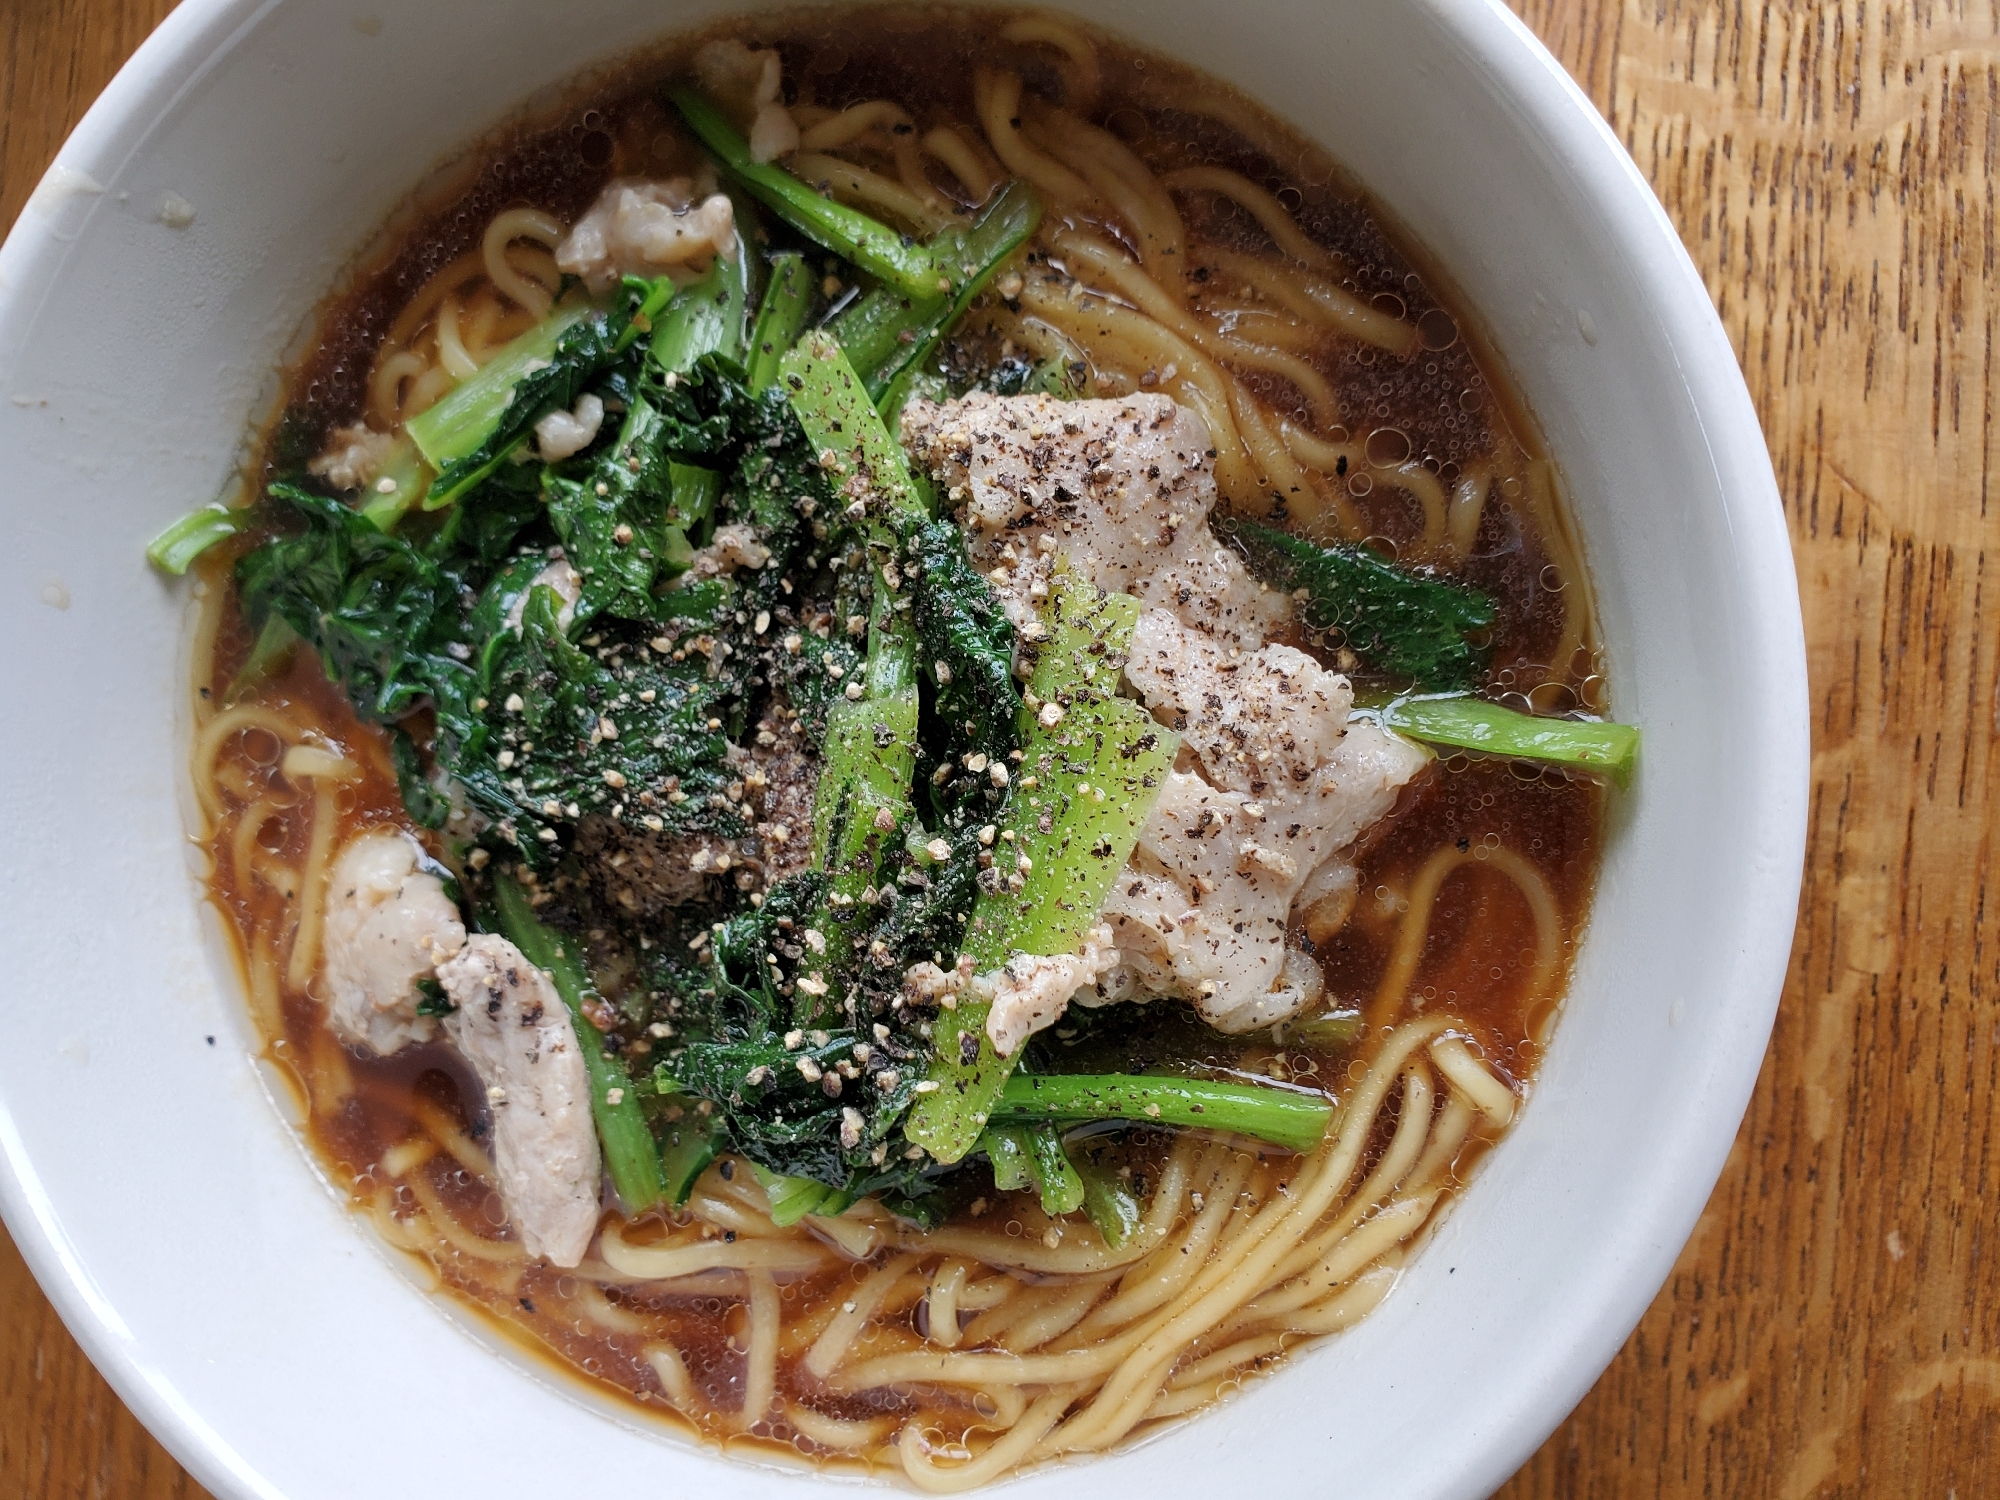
(1479, 949)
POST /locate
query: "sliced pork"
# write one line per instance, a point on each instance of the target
(515, 1031)
(733, 546)
(647, 228)
(749, 82)
(1280, 786)
(561, 433)
(1029, 992)
(388, 923)
(1287, 786)
(354, 456)
(1122, 487)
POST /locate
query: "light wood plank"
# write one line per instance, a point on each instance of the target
(1831, 1328)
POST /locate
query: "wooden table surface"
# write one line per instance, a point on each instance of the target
(1833, 1328)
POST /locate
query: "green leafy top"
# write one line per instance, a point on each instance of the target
(819, 1104)
(1400, 622)
(967, 643)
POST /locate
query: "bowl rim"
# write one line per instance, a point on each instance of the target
(197, 35)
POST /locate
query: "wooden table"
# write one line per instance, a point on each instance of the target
(1834, 1325)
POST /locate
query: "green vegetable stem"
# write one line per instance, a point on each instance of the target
(706, 318)
(847, 232)
(870, 750)
(1032, 1156)
(1293, 1120)
(1092, 766)
(1494, 729)
(870, 757)
(1110, 1203)
(479, 422)
(175, 549)
(889, 331)
(781, 317)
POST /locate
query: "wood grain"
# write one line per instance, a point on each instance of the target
(1833, 1328)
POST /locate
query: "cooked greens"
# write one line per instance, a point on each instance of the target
(483, 422)
(1092, 766)
(175, 549)
(1285, 1119)
(892, 330)
(1468, 723)
(731, 737)
(1400, 622)
(870, 244)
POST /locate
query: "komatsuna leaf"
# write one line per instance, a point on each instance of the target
(621, 733)
(966, 641)
(772, 1100)
(583, 351)
(383, 615)
(1400, 622)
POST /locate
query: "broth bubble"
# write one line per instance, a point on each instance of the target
(1437, 330)
(1388, 447)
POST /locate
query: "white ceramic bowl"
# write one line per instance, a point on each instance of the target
(145, 1170)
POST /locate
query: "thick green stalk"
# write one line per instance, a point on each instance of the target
(916, 383)
(1111, 1204)
(792, 1198)
(863, 798)
(654, 298)
(889, 331)
(1055, 1174)
(467, 415)
(174, 549)
(781, 318)
(870, 751)
(1032, 1156)
(706, 318)
(864, 462)
(1066, 835)
(1491, 729)
(1296, 1121)
(630, 1155)
(847, 232)
(1006, 1149)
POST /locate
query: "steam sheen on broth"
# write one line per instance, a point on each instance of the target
(1188, 247)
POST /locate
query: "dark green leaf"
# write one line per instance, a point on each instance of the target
(381, 613)
(1400, 622)
(966, 641)
(427, 808)
(583, 352)
(629, 741)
